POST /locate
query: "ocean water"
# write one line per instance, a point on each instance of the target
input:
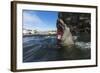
(44, 48)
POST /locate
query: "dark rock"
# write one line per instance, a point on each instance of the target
(78, 22)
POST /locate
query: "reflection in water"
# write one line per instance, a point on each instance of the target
(43, 48)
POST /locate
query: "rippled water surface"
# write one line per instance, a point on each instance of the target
(44, 48)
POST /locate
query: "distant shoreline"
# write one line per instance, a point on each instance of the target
(30, 35)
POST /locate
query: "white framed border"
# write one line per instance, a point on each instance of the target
(54, 64)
